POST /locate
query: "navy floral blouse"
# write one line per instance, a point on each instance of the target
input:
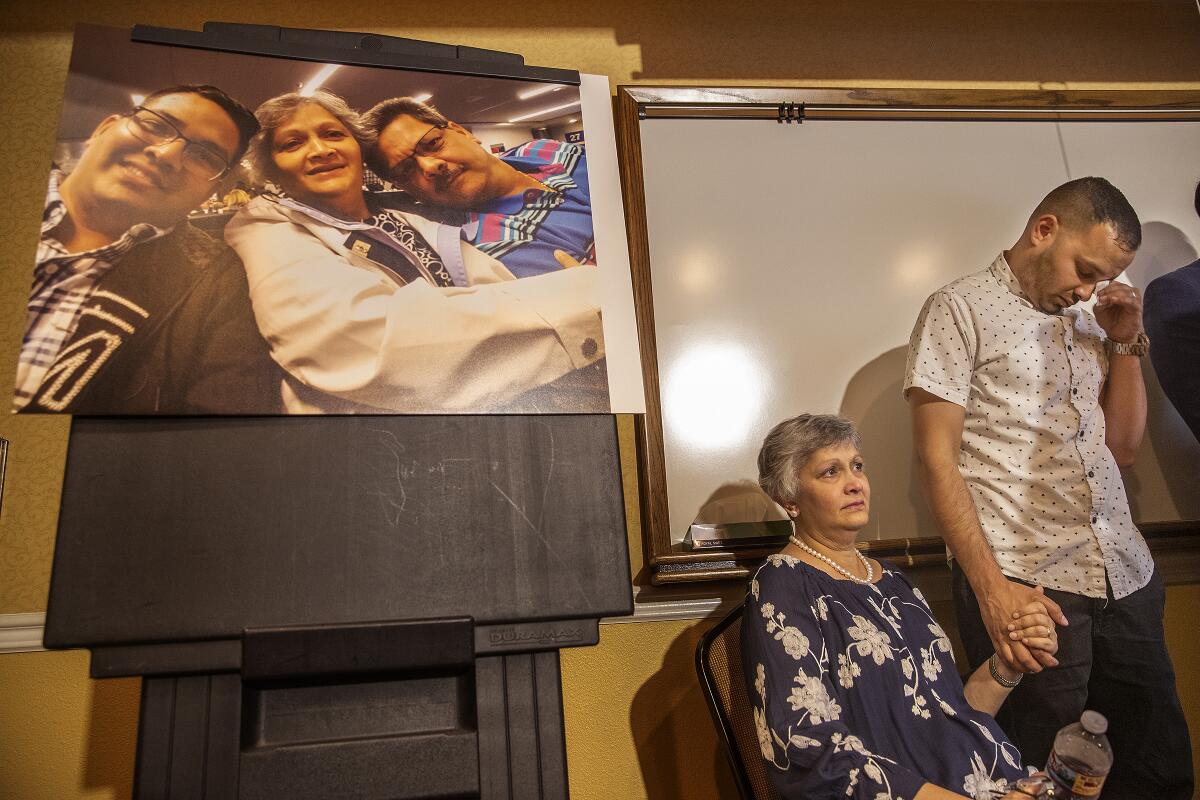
(856, 693)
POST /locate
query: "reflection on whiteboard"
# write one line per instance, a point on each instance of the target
(789, 264)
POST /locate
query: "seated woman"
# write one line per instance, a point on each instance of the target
(372, 309)
(853, 681)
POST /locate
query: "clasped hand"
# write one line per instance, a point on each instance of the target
(1021, 622)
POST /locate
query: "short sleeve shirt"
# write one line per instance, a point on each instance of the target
(523, 231)
(1048, 492)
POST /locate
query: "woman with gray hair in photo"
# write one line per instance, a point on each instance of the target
(372, 309)
(853, 681)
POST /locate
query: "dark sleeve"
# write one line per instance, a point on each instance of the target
(809, 751)
(231, 370)
(1171, 313)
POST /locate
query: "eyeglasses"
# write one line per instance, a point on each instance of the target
(199, 159)
(429, 143)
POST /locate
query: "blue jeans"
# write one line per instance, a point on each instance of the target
(1112, 659)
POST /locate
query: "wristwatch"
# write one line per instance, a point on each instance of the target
(1138, 347)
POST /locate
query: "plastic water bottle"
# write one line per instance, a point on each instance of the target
(1081, 758)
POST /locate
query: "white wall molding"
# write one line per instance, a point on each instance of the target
(647, 609)
(21, 633)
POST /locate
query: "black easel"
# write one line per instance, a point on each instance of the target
(327, 607)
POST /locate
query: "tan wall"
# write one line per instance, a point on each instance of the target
(637, 728)
(635, 724)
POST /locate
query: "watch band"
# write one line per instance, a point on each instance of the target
(1138, 347)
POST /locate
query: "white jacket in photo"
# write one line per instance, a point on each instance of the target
(353, 337)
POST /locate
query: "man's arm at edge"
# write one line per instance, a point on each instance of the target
(937, 436)
(1123, 400)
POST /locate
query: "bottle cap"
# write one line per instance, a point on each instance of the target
(1094, 723)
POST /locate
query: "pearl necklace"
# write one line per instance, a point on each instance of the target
(866, 564)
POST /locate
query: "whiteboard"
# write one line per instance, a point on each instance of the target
(789, 263)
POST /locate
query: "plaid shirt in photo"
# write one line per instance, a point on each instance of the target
(62, 285)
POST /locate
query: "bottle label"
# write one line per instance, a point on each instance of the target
(1068, 776)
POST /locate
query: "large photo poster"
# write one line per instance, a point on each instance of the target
(234, 234)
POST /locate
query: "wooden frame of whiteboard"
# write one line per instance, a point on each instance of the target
(666, 563)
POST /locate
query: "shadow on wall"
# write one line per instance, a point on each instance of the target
(739, 501)
(679, 753)
(873, 401)
(1169, 445)
(112, 736)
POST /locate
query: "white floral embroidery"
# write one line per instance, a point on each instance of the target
(764, 734)
(811, 695)
(760, 681)
(980, 784)
(871, 641)
(754, 588)
(853, 782)
(803, 742)
(822, 608)
(848, 670)
(947, 709)
(768, 610)
(849, 743)
(795, 643)
(930, 665)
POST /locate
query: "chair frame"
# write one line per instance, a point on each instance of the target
(721, 720)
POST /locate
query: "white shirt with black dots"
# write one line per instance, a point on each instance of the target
(1047, 490)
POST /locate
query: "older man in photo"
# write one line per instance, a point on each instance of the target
(132, 309)
(529, 207)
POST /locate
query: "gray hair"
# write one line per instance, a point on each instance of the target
(790, 445)
(278, 110)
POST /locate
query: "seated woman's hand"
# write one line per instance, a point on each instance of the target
(1032, 626)
(1026, 788)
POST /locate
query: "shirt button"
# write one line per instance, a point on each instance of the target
(590, 347)
(1069, 348)
(1091, 474)
(1094, 518)
(1074, 391)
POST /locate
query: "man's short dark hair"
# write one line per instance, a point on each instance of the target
(1084, 202)
(384, 113)
(242, 117)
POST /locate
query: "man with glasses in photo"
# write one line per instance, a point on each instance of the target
(132, 309)
(530, 207)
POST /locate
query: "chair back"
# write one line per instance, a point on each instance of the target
(719, 665)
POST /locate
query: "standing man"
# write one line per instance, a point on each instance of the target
(133, 310)
(530, 207)
(1024, 405)
(1173, 317)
